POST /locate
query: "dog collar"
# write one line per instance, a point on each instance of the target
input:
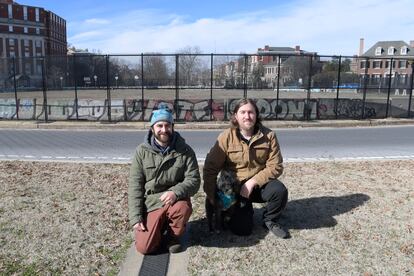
(226, 200)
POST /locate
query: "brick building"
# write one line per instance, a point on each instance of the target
(386, 59)
(27, 32)
(268, 57)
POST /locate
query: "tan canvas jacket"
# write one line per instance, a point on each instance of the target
(261, 159)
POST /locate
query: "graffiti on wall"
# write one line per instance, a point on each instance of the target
(186, 110)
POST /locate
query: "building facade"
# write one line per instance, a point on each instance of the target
(385, 60)
(28, 32)
(273, 57)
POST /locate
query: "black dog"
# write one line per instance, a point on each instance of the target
(226, 196)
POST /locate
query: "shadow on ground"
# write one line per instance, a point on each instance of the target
(319, 212)
(306, 213)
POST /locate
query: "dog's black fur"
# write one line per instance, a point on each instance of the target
(227, 183)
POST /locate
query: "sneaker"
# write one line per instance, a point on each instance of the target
(277, 230)
(174, 245)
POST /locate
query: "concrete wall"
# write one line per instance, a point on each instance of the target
(192, 110)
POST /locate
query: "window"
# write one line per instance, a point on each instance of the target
(37, 30)
(10, 10)
(376, 64)
(10, 28)
(387, 64)
(26, 30)
(402, 64)
(24, 12)
(363, 64)
(391, 50)
(38, 43)
(11, 42)
(404, 50)
(37, 14)
(26, 43)
(27, 68)
(378, 51)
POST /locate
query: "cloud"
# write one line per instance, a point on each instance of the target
(97, 21)
(85, 36)
(323, 26)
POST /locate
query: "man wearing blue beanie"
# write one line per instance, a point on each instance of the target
(164, 175)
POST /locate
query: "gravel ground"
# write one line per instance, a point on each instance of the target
(348, 218)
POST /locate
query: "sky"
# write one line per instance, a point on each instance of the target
(328, 27)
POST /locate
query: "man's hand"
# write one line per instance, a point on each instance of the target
(140, 226)
(168, 198)
(247, 188)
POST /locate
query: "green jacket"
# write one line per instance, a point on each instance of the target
(152, 174)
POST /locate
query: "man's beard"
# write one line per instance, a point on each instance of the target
(163, 137)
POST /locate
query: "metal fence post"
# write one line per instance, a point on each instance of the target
(307, 109)
(108, 89)
(211, 87)
(45, 109)
(337, 88)
(277, 85)
(389, 89)
(142, 87)
(411, 89)
(176, 85)
(364, 96)
(15, 88)
(246, 60)
(76, 87)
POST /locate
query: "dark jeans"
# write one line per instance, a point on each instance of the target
(273, 193)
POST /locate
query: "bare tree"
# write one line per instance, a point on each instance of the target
(155, 70)
(190, 65)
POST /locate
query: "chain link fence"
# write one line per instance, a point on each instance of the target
(204, 87)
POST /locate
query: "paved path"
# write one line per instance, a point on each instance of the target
(117, 146)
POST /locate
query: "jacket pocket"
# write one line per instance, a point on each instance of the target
(235, 155)
(261, 153)
(149, 169)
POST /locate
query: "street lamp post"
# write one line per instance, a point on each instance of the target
(116, 81)
(95, 77)
(61, 82)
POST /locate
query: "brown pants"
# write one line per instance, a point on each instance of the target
(177, 217)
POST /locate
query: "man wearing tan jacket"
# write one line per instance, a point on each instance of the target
(252, 151)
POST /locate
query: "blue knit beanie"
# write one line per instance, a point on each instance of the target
(163, 113)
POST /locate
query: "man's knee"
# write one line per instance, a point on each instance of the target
(275, 189)
(182, 208)
(145, 247)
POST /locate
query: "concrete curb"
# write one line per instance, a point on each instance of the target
(97, 125)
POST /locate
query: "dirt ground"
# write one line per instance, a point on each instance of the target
(345, 218)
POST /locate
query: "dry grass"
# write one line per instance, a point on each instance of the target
(62, 218)
(349, 218)
(346, 218)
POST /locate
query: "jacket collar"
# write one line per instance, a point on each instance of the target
(258, 133)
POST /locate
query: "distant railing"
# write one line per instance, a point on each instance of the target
(204, 87)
